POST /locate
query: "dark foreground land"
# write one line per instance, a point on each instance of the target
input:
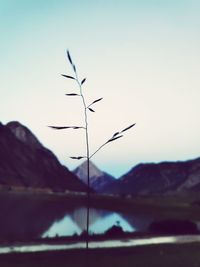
(173, 255)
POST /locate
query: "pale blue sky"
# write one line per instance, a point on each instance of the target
(142, 57)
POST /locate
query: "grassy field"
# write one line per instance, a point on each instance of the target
(181, 255)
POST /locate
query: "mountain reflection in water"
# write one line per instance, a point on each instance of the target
(25, 217)
(75, 223)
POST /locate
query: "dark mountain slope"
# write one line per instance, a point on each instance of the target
(159, 178)
(24, 161)
(98, 179)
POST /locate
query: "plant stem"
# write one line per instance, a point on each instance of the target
(88, 163)
(98, 150)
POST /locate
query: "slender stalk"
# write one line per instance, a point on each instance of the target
(88, 162)
(109, 140)
(115, 136)
(98, 150)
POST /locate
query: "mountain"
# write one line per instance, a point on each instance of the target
(159, 178)
(98, 179)
(25, 162)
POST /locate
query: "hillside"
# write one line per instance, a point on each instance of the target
(25, 162)
(98, 179)
(159, 178)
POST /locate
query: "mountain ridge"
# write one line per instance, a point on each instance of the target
(26, 162)
(159, 178)
(98, 179)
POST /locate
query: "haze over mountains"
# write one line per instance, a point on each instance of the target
(146, 179)
(159, 178)
(25, 162)
(99, 180)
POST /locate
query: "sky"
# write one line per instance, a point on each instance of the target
(142, 57)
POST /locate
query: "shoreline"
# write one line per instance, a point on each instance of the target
(98, 244)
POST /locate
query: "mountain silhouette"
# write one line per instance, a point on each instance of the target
(159, 178)
(98, 179)
(25, 162)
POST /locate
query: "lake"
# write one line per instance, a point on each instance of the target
(30, 217)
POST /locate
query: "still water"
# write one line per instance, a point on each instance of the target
(25, 217)
(75, 223)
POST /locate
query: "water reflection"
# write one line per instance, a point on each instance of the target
(64, 227)
(103, 224)
(75, 223)
(25, 217)
(140, 221)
